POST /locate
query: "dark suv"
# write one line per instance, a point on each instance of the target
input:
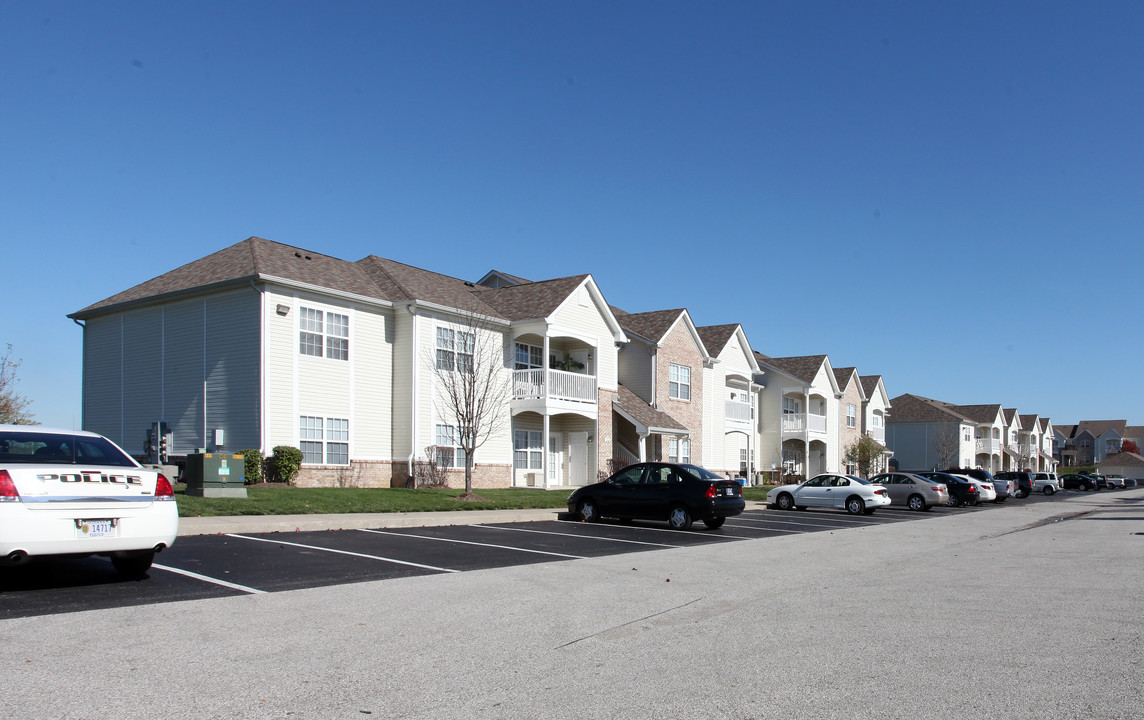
(1024, 481)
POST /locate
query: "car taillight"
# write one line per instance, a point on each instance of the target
(163, 489)
(8, 491)
(938, 488)
(712, 491)
(879, 491)
(971, 488)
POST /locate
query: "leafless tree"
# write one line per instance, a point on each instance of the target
(947, 443)
(472, 386)
(428, 473)
(13, 405)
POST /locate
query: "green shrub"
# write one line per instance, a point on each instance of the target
(284, 464)
(252, 462)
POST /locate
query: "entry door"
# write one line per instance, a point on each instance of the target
(555, 459)
(578, 458)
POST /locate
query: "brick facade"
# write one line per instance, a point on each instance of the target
(679, 348)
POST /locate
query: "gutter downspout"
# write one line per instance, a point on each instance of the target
(413, 394)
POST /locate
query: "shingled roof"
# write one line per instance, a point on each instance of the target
(637, 409)
(716, 337)
(652, 325)
(915, 408)
(1099, 427)
(531, 300)
(242, 262)
(980, 413)
(843, 376)
(803, 368)
(869, 384)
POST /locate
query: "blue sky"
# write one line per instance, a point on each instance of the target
(949, 195)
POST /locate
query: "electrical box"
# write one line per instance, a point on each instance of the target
(215, 475)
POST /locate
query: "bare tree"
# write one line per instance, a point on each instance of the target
(946, 440)
(13, 405)
(472, 387)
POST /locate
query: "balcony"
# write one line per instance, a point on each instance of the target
(878, 435)
(988, 446)
(540, 384)
(738, 413)
(800, 422)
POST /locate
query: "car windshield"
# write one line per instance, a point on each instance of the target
(699, 473)
(41, 448)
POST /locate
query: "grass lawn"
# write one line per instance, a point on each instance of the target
(284, 500)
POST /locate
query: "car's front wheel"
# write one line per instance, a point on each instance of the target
(784, 501)
(588, 511)
(916, 502)
(133, 564)
(855, 505)
(679, 518)
(714, 522)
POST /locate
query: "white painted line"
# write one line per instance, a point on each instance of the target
(468, 542)
(574, 535)
(764, 528)
(204, 578)
(344, 552)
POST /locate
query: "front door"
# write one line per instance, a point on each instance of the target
(578, 458)
(555, 459)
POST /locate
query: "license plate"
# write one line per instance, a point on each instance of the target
(94, 528)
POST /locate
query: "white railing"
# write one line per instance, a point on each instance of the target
(737, 411)
(553, 385)
(798, 422)
(878, 434)
(990, 446)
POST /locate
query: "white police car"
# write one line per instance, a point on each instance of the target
(69, 492)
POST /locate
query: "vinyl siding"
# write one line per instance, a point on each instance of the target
(231, 369)
(103, 379)
(580, 317)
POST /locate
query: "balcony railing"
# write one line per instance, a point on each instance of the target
(738, 411)
(878, 434)
(988, 446)
(797, 422)
(540, 384)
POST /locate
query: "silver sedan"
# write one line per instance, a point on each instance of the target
(913, 491)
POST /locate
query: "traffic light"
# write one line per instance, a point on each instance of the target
(164, 447)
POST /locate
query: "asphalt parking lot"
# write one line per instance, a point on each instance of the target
(251, 562)
(1024, 610)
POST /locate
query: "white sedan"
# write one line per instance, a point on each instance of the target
(853, 493)
(75, 493)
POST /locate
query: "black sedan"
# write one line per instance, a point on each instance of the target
(679, 494)
(961, 491)
(1078, 481)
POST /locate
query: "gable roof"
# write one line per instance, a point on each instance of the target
(651, 326)
(843, 376)
(981, 413)
(1099, 427)
(497, 278)
(251, 259)
(716, 337)
(804, 367)
(872, 384)
(402, 282)
(915, 408)
(531, 300)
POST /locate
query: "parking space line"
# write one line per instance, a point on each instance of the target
(478, 544)
(578, 537)
(344, 552)
(204, 578)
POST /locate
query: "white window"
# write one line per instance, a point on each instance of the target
(449, 452)
(679, 382)
(455, 350)
(679, 450)
(324, 441)
(333, 341)
(851, 416)
(743, 459)
(527, 449)
(528, 357)
(965, 435)
(791, 406)
(877, 420)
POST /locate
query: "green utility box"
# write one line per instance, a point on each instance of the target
(215, 475)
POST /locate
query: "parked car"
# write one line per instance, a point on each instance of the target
(985, 490)
(74, 493)
(1078, 481)
(1101, 481)
(1130, 482)
(1005, 489)
(679, 494)
(962, 491)
(1116, 481)
(913, 491)
(853, 493)
(1023, 478)
(1046, 482)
